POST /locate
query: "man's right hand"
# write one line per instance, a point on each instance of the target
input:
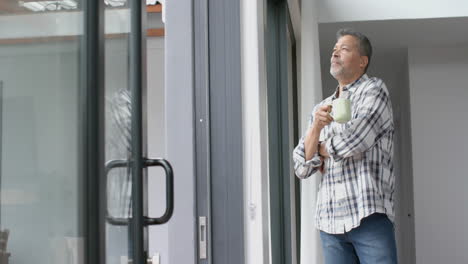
(322, 167)
(322, 117)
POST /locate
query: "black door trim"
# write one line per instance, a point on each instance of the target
(137, 75)
(91, 111)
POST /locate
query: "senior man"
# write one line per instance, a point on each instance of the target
(355, 211)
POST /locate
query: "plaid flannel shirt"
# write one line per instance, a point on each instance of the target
(358, 177)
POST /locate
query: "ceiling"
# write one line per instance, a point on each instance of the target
(391, 38)
(400, 34)
(9, 7)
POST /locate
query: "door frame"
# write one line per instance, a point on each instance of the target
(218, 122)
(91, 158)
(282, 101)
(202, 134)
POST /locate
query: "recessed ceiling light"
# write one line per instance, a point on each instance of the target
(115, 3)
(39, 6)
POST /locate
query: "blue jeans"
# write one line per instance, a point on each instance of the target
(373, 242)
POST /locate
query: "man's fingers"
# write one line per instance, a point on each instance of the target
(322, 115)
(324, 119)
(325, 108)
(328, 116)
(322, 167)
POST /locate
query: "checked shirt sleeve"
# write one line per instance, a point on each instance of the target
(374, 119)
(303, 168)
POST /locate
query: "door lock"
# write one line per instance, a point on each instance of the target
(202, 237)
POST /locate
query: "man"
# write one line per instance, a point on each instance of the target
(354, 210)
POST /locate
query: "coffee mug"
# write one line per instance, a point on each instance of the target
(341, 110)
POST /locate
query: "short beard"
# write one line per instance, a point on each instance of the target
(337, 73)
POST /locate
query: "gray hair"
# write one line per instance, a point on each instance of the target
(365, 47)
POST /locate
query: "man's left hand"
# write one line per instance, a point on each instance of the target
(323, 151)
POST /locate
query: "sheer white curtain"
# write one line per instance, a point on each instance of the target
(311, 93)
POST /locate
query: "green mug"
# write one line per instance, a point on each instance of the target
(341, 110)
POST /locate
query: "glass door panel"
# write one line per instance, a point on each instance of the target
(41, 202)
(42, 145)
(117, 131)
(126, 142)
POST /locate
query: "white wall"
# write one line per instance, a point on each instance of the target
(310, 94)
(158, 235)
(254, 126)
(392, 67)
(179, 128)
(361, 10)
(438, 86)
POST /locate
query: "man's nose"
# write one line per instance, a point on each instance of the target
(335, 53)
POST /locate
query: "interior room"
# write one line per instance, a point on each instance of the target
(424, 64)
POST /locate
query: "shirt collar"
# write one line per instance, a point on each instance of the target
(352, 86)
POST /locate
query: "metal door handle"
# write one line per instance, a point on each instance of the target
(112, 164)
(169, 191)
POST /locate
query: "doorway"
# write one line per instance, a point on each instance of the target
(284, 187)
(398, 61)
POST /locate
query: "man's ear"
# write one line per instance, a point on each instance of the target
(364, 61)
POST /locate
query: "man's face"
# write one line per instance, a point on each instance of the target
(346, 60)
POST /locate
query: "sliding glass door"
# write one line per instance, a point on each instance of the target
(125, 189)
(72, 143)
(41, 180)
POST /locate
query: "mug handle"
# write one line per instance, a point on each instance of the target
(331, 111)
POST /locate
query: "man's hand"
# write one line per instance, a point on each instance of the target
(322, 117)
(323, 156)
(322, 167)
(323, 151)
